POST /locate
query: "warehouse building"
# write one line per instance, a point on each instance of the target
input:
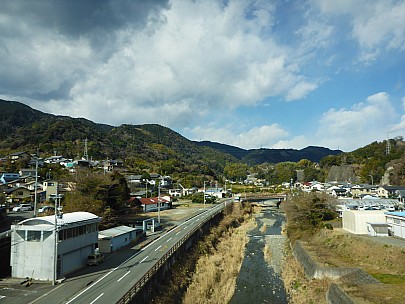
(113, 239)
(35, 248)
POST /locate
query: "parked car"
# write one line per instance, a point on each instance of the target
(22, 207)
(46, 209)
(95, 259)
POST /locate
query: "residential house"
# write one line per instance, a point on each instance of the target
(55, 159)
(7, 178)
(364, 189)
(16, 194)
(389, 191)
(18, 156)
(151, 203)
(27, 172)
(50, 186)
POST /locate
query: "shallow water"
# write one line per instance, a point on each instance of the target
(259, 281)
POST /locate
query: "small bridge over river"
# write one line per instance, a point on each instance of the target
(265, 200)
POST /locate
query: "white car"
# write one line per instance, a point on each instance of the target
(46, 209)
(22, 207)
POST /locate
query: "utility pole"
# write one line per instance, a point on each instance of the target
(159, 200)
(36, 186)
(55, 248)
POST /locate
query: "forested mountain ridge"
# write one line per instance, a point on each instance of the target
(259, 156)
(155, 148)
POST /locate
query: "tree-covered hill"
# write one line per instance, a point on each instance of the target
(260, 156)
(150, 147)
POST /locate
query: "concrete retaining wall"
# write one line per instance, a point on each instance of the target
(335, 295)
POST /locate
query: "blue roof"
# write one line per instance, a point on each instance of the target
(402, 214)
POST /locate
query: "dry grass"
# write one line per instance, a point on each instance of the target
(336, 248)
(299, 288)
(215, 278)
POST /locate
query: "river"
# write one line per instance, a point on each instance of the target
(259, 281)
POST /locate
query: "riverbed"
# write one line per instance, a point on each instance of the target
(259, 279)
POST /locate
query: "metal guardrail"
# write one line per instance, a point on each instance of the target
(147, 276)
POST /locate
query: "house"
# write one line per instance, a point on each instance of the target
(364, 189)
(35, 249)
(7, 178)
(355, 221)
(16, 194)
(339, 192)
(151, 203)
(50, 186)
(112, 239)
(389, 191)
(19, 156)
(176, 192)
(55, 159)
(27, 172)
(397, 222)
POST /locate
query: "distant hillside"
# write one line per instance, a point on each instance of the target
(25, 129)
(234, 151)
(259, 156)
(145, 146)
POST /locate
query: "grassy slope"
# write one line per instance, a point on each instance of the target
(337, 248)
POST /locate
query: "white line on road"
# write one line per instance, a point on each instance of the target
(143, 259)
(97, 298)
(168, 240)
(177, 233)
(158, 248)
(185, 228)
(124, 276)
(79, 294)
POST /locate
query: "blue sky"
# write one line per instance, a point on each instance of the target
(271, 74)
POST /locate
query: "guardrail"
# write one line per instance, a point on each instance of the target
(147, 276)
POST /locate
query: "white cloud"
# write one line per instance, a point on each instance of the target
(361, 124)
(378, 24)
(401, 125)
(195, 56)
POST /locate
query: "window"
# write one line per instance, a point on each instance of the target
(33, 236)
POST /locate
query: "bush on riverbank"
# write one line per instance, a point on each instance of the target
(306, 214)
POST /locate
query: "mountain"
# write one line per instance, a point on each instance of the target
(148, 146)
(259, 156)
(25, 129)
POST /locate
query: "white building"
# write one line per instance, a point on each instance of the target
(33, 252)
(115, 238)
(397, 223)
(355, 221)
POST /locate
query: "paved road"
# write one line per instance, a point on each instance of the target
(109, 281)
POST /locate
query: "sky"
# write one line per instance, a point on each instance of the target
(247, 73)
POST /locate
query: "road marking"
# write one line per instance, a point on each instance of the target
(168, 240)
(185, 228)
(124, 276)
(158, 248)
(143, 259)
(102, 278)
(177, 233)
(97, 298)
(2, 297)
